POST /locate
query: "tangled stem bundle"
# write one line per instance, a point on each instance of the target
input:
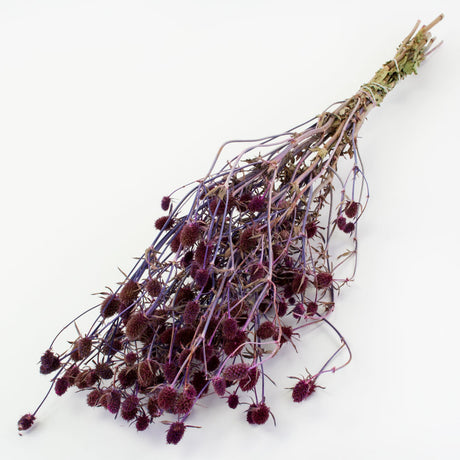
(253, 253)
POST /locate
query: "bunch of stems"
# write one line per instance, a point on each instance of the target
(250, 256)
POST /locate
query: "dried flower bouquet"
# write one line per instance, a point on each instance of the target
(250, 256)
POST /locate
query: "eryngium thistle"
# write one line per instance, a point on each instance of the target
(250, 256)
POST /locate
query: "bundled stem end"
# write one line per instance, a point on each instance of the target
(410, 53)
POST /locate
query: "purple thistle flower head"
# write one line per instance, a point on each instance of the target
(153, 287)
(236, 371)
(183, 404)
(311, 228)
(167, 398)
(230, 328)
(282, 308)
(266, 330)
(219, 384)
(165, 202)
(351, 209)
(286, 334)
(130, 358)
(129, 292)
(92, 399)
(189, 391)
(298, 311)
(104, 371)
(164, 223)
(86, 379)
(349, 227)
(249, 382)
(127, 377)
(49, 362)
(152, 407)
(312, 308)
(213, 363)
(201, 277)
(233, 401)
(25, 422)
(202, 253)
(175, 243)
(113, 401)
(258, 414)
(324, 280)
(81, 349)
(146, 372)
(299, 283)
(169, 371)
(189, 234)
(136, 326)
(175, 433)
(142, 422)
(110, 306)
(249, 414)
(191, 312)
(200, 382)
(257, 204)
(248, 239)
(303, 389)
(341, 222)
(129, 407)
(71, 374)
(61, 385)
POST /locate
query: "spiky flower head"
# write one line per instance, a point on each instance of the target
(236, 371)
(25, 422)
(175, 433)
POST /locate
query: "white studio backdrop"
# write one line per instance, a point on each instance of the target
(106, 106)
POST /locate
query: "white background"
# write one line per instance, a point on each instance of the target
(106, 106)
